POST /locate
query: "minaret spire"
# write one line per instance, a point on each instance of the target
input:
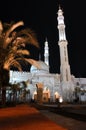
(64, 67)
(61, 25)
(46, 52)
(66, 84)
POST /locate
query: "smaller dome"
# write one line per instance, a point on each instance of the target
(43, 68)
(33, 69)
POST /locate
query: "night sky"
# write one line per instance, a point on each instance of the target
(41, 16)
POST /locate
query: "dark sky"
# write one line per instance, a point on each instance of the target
(40, 15)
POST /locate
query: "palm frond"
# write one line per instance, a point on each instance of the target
(8, 39)
(29, 36)
(22, 52)
(20, 41)
(13, 27)
(14, 63)
(17, 65)
(12, 44)
(33, 62)
(1, 27)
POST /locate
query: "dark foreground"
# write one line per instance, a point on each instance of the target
(70, 116)
(75, 111)
(25, 117)
(30, 117)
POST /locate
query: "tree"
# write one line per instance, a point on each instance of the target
(12, 50)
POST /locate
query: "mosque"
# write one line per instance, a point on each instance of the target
(54, 85)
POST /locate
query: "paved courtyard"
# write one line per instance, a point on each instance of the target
(24, 117)
(27, 117)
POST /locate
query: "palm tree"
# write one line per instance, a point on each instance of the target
(12, 50)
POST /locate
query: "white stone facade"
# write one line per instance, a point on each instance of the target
(51, 82)
(64, 83)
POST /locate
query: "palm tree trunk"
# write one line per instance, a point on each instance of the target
(3, 96)
(5, 82)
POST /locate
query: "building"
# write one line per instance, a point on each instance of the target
(54, 85)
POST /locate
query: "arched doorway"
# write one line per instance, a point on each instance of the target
(34, 97)
(46, 95)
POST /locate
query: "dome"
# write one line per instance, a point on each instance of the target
(43, 67)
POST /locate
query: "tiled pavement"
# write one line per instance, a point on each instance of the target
(25, 117)
(66, 122)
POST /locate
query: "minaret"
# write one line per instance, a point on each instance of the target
(64, 63)
(46, 52)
